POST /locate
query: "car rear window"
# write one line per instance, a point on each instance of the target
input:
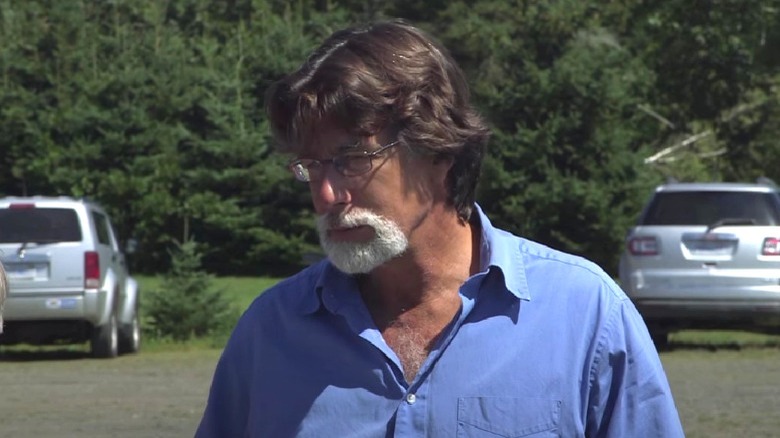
(39, 225)
(708, 207)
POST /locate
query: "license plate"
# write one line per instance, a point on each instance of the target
(716, 247)
(716, 244)
(21, 271)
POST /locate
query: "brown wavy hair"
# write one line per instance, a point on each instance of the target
(385, 74)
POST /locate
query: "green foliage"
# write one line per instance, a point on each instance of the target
(565, 164)
(155, 109)
(716, 65)
(186, 306)
(583, 95)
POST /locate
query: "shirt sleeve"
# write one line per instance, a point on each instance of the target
(630, 394)
(226, 413)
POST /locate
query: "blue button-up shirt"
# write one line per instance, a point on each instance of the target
(545, 344)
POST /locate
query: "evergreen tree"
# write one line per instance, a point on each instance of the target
(155, 109)
(186, 306)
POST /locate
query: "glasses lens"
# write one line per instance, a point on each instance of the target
(300, 171)
(352, 165)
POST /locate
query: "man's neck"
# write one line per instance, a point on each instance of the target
(426, 279)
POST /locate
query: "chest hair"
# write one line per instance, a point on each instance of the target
(412, 346)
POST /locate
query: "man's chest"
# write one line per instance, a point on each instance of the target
(478, 381)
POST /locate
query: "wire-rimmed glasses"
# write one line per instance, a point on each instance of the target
(352, 163)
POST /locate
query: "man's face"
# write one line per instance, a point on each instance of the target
(368, 219)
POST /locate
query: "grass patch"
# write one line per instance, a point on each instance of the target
(241, 291)
(723, 339)
(152, 345)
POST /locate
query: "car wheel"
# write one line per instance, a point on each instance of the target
(105, 339)
(130, 336)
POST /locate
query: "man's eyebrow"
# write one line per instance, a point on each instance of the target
(349, 147)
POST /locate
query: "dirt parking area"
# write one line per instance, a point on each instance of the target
(720, 393)
(67, 394)
(726, 392)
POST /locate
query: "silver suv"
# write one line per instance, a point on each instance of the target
(706, 256)
(68, 279)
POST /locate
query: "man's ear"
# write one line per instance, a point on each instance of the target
(444, 160)
(443, 164)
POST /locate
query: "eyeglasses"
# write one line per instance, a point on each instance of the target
(347, 164)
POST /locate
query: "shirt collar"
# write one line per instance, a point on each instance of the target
(500, 251)
(329, 282)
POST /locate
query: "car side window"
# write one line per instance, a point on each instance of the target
(101, 228)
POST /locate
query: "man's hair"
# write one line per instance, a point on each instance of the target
(385, 75)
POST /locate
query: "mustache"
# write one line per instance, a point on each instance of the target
(345, 219)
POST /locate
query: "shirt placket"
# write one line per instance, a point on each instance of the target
(414, 408)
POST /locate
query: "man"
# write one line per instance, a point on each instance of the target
(424, 320)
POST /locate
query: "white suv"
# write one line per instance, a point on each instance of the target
(706, 256)
(68, 279)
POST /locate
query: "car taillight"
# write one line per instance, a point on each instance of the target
(643, 246)
(771, 246)
(91, 270)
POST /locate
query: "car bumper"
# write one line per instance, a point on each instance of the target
(85, 305)
(737, 314)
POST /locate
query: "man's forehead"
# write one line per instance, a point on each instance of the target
(327, 140)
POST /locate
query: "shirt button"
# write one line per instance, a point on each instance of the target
(411, 398)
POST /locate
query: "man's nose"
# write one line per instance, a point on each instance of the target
(329, 191)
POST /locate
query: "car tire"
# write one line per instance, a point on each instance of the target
(130, 336)
(105, 340)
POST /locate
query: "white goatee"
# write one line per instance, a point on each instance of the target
(361, 257)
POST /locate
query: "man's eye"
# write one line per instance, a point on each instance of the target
(345, 159)
(310, 164)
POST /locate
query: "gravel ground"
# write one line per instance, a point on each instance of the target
(719, 393)
(726, 393)
(71, 395)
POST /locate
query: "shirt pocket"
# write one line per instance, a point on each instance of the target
(508, 417)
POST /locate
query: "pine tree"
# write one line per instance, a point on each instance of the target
(186, 306)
